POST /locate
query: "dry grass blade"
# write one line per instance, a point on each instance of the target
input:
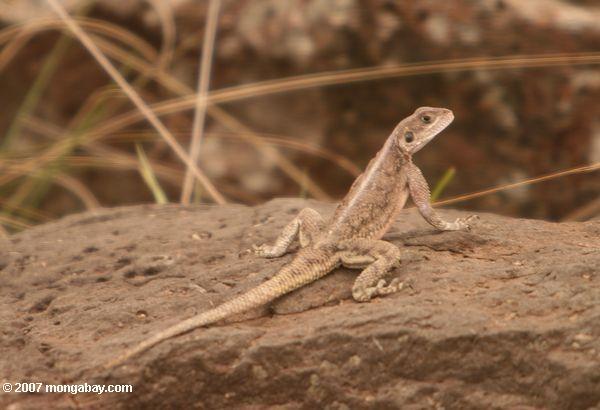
(103, 156)
(292, 83)
(264, 139)
(13, 222)
(287, 166)
(43, 78)
(298, 145)
(578, 170)
(30, 213)
(285, 84)
(237, 93)
(97, 98)
(585, 212)
(136, 99)
(23, 167)
(88, 199)
(164, 11)
(87, 110)
(106, 158)
(22, 192)
(110, 30)
(122, 161)
(210, 33)
(289, 84)
(12, 48)
(315, 80)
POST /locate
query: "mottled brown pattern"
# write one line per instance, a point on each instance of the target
(353, 235)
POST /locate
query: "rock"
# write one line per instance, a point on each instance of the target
(504, 316)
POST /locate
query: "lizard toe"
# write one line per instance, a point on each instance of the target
(264, 251)
(394, 286)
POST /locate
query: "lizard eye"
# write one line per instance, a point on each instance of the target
(409, 136)
(426, 119)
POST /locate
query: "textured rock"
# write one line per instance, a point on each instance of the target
(504, 316)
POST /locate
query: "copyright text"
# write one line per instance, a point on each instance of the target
(37, 387)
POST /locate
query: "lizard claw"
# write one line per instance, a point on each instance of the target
(394, 286)
(265, 251)
(366, 294)
(466, 223)
(258, 249)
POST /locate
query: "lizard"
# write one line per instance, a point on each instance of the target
(351, 238)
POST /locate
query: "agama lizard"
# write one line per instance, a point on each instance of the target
(352, 237)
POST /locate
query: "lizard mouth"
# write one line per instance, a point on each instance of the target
(443, 123)
(439, 126)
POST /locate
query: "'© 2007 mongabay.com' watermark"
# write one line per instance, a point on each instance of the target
(38, 387)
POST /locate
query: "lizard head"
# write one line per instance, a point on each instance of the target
(415, 131)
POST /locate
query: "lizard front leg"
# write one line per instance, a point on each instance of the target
(419, 191)
(378, 258)
(306, 226)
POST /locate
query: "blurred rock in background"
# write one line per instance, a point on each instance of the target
(511, 124)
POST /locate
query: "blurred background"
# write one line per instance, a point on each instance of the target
(300, 95)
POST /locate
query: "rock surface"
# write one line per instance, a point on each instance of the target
(504, 316)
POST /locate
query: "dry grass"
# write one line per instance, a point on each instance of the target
(506, 187)
(140, 104)
(201, 102)
(102, 118)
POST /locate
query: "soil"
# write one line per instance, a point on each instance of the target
(504, 316)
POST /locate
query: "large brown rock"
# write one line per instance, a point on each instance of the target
(504, 316)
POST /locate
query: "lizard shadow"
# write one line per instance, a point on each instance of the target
(454, 241)
(412, 234)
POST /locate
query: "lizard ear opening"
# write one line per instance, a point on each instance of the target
(409, 136)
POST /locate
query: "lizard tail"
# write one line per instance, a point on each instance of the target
(308, 266)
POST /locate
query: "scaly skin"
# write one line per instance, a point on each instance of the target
(353, 236)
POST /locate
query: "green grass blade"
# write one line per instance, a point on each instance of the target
(149, 176)
(36, 90)
(39, 85)
(442, 183)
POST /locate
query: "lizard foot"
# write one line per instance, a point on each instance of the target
(366, 294)
(267, 251)
(466, 223)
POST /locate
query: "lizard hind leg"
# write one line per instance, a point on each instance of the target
(377, 258)
(306, 226)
